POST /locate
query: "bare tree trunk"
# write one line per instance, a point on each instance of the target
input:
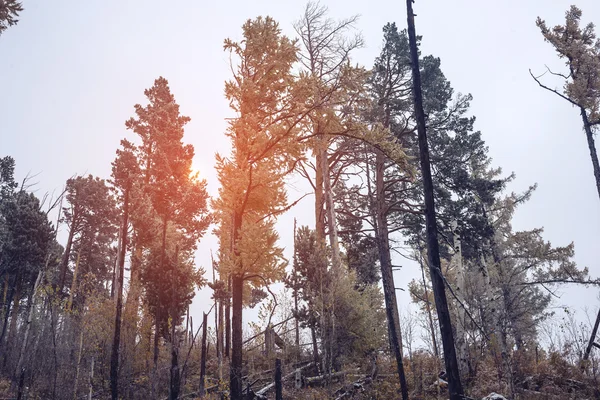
(594, 156)
(319, 202)
(454, 385)
(202, 389)
(336, 262)
(114, 360)
(12, 332)
(315, 346)
(461, 317)
(78, 364)
(219, 343)
(387, 275)
(228, 320)
(6, 316)
(91, 386)
(74, 283)
(278, 385)
(296, 325)
(237, 285)
(175, 381)
(30, 308)
(5, 292)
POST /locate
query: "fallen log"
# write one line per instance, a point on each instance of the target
(261, 394)
(321, 379)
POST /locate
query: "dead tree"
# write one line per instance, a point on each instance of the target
(433, 251)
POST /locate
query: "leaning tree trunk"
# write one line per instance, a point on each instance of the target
(114, 359)
(454, 385)
(387, 275)
(594, 156)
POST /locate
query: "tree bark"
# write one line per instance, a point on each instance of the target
(74, 283)
(278, 384)
(594, 156)
(202, 388)
(175, 381)
(219, 343)
(319, 202)
(30, 308)
(387, 275)
(91, 383)
(228, 319)
(461, 317)
(313, 334)
(237, 286)
(454, 385)
(592, 147)
(6, 315)
(12, 332)
(114, 360)
(78, 369)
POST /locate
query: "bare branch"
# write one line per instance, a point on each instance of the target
(552, 90)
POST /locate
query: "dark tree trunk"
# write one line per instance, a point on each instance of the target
(592, 147)
(114, 359)
(219, 332)
(278, 385)
(592, 339)
(175, 380)
(228, 320)
(433, 252)
(28, 319)
(594, 156)
(387, 275)
(175, 377)
(156, 336)
(237, 286)
(202, 389)
(6, 314)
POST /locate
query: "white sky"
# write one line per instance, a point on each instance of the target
(71, 71)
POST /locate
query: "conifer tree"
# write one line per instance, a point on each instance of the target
(264, 150)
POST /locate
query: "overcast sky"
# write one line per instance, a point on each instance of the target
(71, 71)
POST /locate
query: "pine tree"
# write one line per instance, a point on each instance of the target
(264, 151)
(124, 173)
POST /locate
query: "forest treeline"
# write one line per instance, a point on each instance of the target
(396, 166)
